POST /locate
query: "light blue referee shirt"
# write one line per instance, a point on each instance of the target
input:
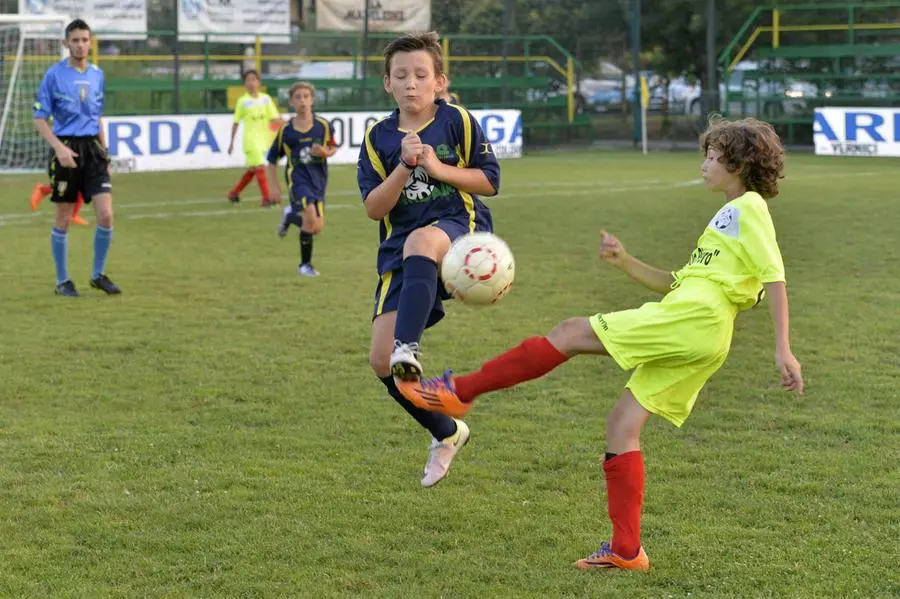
(73, 98)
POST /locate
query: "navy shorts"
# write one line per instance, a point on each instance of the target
(387, 291)
(90, 177)
(300, 202)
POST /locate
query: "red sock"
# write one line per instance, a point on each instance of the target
(244, 182)
(625, 495)
(78, 204)
(533, 358)
(263, 182)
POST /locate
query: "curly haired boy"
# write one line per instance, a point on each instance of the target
(673, 346)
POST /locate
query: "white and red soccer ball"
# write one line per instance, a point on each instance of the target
(478, 269)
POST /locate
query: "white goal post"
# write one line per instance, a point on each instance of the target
(29, 45)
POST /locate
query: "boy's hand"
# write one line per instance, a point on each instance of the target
(429, 160)
(66, 157)
(611, 250)
(230, 148)
(318, 150)
(275, 193)
(411, 149)
(789, 367)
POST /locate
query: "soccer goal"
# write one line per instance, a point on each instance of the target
(29, 45)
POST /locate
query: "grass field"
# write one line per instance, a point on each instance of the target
(216, 430)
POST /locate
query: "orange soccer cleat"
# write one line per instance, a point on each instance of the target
(435, 395)
(606, 558)
(38, 193)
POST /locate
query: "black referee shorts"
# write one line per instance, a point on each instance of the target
(90, 176)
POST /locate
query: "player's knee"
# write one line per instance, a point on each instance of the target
(105, 219)
(575, 336)
(624, 424)
(430, 242)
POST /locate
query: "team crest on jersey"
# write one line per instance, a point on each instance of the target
(304, 156)
(727, 221)
(443, 152)
(417, 188)
(61, 187)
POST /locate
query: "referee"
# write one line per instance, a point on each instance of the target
(71, 94)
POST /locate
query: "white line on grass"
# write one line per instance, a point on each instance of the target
(28, 218)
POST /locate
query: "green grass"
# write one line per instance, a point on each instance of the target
(216, 430)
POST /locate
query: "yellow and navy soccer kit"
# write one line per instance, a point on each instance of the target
(306, 175)
(458, 140)
(73, 99)
(256, 113)
(677, 344)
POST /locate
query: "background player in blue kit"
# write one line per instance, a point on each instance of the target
(307, 142)
(419, 171)
(72, 95)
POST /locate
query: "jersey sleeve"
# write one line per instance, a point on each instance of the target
(757, 238)
(43, 103)
(238, 111)
(370, 170)
(329, 137)
(477, 151)
(276, 151)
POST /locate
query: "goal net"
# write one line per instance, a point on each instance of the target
(29, 45)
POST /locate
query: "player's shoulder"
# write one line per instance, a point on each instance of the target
(750, 202)
(57, 67)
(452, 112)
(95, 69)
(384, 124)
(321, 120)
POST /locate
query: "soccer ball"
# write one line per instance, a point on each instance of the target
(478, 269)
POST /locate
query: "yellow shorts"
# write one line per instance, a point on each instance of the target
(255, 158)
(674, 346)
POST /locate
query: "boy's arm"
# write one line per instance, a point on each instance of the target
(381, 200)
(238, 116)
(613, 252)
(469, 180)
(276, 151)
(482, 172)
(650, 277)
(381, 191)
(788, 366)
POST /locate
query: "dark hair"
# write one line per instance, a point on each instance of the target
(751, 147)
(412, 42)
(77, 25)
(249, 72)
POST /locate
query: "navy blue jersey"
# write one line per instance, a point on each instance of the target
(457, 140)
(72, 98)
(306, 175)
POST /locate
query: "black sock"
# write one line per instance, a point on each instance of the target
(416, 298)
(439, 425)
(306, 240)
(610, 456)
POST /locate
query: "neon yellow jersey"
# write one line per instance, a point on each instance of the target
(256, 114)
(737, 250)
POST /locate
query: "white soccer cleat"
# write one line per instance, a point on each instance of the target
(441, 454)
(405, 365)
(307, 270)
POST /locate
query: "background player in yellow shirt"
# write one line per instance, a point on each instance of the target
(259, 115)
(675, 345)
